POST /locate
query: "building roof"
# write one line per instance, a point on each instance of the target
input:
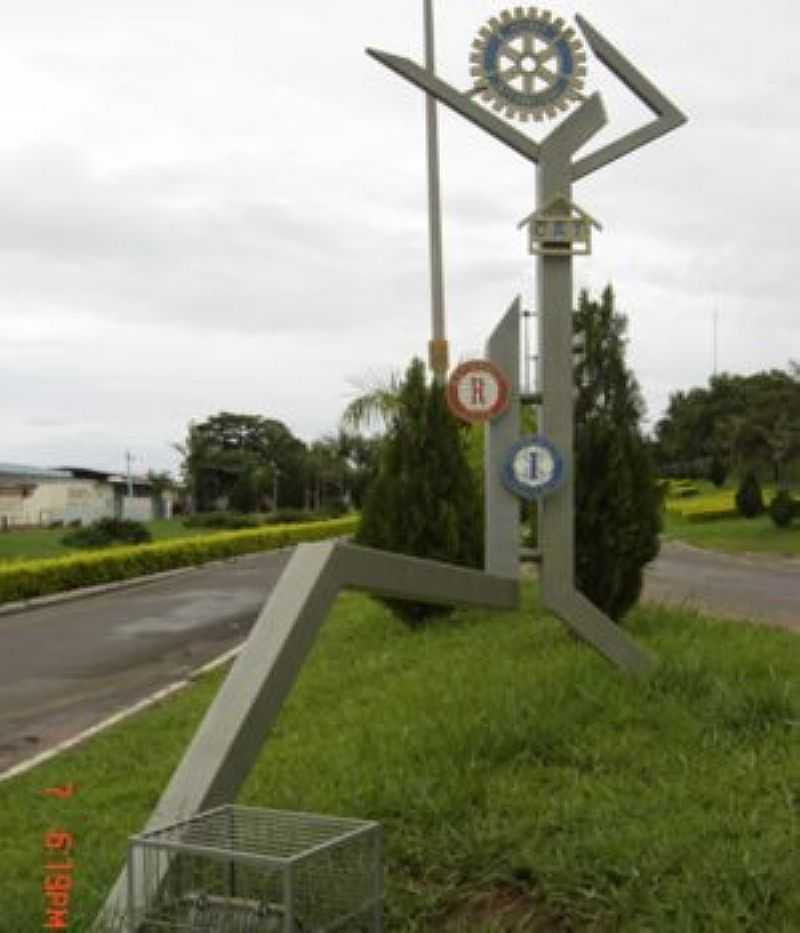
(84, 473)
(105, 476)
(22, 470)
(558, 201)
(17, 471)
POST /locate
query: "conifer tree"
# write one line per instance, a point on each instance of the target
(749, 498)
(617, 505)
(425, 500)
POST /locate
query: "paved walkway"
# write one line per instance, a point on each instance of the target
(758, 587)
(68, 666)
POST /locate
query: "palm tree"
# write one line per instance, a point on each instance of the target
(377, 404)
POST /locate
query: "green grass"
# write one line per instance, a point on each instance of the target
(521, 781)
(46, 542)
(737, 535)
(732, 535)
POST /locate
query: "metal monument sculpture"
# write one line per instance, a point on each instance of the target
(530, 65)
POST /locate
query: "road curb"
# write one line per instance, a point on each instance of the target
(86, 592)
(30, 763)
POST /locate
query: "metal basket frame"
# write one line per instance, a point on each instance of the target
(280, 841)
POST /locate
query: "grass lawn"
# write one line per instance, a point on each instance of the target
(46, 542)
(523, 784)
(737, 535)
(733, 535)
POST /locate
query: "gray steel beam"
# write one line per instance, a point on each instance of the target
(232, 734)
(457, 101)
(501, 507)
(557, 510)
(669, 117)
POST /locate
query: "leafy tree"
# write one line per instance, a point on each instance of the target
(376, 404)
(330, 473)
(235, 455)
(424, 500)
(361, 455)
(747, 422)
(617, 501)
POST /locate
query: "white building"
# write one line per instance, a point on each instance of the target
(32, 496)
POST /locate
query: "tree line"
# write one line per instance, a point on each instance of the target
(736, 425)
(419, 483)
(251, 463)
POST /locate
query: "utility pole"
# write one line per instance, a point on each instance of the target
(715, 341)
(129, 458)
(275, 472)
(526, 316)
(437, 348)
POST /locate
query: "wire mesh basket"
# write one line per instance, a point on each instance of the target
(247, 870)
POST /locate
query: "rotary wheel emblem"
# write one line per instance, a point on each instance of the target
(528, 63)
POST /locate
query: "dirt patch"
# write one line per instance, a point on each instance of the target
(500, 909)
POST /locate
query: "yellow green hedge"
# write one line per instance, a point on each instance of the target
(711, 507)
(711, 514)
(30, 578)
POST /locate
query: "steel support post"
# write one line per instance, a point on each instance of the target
(554, 290)
(501, 507)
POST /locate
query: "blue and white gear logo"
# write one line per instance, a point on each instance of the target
(528, 63)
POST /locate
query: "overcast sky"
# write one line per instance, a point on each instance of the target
(212, 206)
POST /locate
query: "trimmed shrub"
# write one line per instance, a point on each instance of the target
(292, 517)
(783, 509)
(108, 531)
(749, 500)
(711, 514)
(222, 520)
(31, 578)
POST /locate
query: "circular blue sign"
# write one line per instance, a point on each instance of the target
(533, 468)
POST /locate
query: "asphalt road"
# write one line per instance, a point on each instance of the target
(760, 588)
(68, 666)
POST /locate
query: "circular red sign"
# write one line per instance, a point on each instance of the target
(477, 391)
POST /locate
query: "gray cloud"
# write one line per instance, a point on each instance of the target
(204, 209)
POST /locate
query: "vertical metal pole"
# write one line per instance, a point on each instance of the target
(715, 341)
(128, 459)
(557, 511)
(288, 897)
(274, 486)
(526, 316)
(131, 910)
(438, 344)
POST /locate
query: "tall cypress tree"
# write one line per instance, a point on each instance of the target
(425, 500)
(617, 504)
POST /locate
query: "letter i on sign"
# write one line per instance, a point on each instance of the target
(532, 465)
